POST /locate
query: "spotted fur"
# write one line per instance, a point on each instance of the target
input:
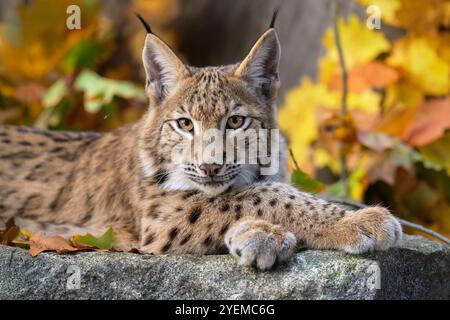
(67, 182)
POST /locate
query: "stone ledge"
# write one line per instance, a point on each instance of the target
(417, 269)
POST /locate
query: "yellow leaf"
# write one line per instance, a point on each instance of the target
(424, 16)
(300, 104)
(403, 93)
(422, 65)
(299, 116)
(359, 44)
(323, 158)
(388, 8)
(35, 43)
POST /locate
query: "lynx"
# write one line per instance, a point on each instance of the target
(69, 182)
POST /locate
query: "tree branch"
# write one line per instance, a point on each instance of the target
(335, 9)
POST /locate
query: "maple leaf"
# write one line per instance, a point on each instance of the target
(360, 46)
(309, 102)
(422, 65)
(371, 75)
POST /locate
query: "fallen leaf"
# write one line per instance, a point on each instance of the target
(105, 241)
(39, 243)
(10, 233)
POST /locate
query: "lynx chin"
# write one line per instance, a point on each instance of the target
(149, 183)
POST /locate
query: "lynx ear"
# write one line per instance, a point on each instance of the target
(260, 67)
(163, 68)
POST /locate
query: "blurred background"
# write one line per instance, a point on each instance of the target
(390, 145)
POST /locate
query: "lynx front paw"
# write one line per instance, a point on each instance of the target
(259, 243)
(372, 229)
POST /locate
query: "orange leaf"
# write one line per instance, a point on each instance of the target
(397, 121)
(431, 121)
(39, 243)
(371, 75)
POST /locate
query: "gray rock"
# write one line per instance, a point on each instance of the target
(417, 269)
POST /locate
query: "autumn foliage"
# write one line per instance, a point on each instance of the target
(396, 135)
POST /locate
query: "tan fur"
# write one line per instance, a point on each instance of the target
(67, 182)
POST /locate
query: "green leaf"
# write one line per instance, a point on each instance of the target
(99, 91)
(337, 189)
(55, 94)
(437, 154)
(105, 241)
(83, 55)
(304, 182)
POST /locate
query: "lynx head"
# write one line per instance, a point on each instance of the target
(201, 122)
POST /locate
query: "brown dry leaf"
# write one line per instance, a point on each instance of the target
(371, 75)
(432, 119)
(382, 168)
(10, 233)
(340, 128)
(39, 243)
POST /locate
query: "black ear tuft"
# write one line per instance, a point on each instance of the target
(274, 18)
(145, 23)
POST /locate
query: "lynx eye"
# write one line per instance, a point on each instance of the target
(185, 124)
(235, 122)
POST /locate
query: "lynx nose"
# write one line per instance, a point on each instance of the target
(210, 169)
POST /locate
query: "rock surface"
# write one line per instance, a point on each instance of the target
(416, 269)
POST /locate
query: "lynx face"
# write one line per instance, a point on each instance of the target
(209, 126)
